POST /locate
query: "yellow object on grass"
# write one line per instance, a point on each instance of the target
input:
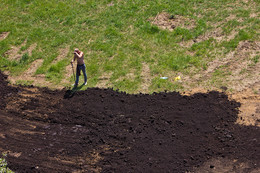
(177, 78)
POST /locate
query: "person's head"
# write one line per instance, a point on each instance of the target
(76, 50)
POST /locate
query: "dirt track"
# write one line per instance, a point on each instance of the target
(102, 130)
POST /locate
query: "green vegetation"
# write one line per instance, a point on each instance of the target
(118, 37)
(3, 165)
(24, 82)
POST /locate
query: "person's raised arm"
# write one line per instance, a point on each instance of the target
(80, 55)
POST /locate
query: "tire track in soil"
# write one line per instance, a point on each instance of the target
(101, 130)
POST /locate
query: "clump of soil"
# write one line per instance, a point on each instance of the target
(170, 22)
(101, 130)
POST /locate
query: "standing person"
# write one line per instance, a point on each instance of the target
(79, 55)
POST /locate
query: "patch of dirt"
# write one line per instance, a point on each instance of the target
(67, 74)
(33, 67)
(63, 53)
(216, 34)
(15, 53)
(146, 78)
(242, 61)
(129, 76)
(3, 35)
(250, 105)
(242, 72)
(253, 15)
(103, 130)
(37, 80)
(30, 49)
(217, 165)
(104, 80)
(166, 21)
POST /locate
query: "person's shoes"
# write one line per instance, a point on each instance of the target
(85, 83)
(75, 85)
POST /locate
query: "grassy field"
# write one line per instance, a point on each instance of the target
(119, 39)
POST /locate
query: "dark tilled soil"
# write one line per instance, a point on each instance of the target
(101, 130)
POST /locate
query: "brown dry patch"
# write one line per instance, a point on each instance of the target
(243, 72)
(166, 21)
(186, 44)
(25, 132)
(104, 80)
(217, 165)
(146, 78)
(131, 75)
(37, 80)
(34, 66)
(68, 74)
(31, 48)
(233, 17)
(2, 136)
(250, 105)
(14, 154)
(3, 35)
(88, 161)
(242, 61)
(15, 54)
(216, 34)
(253, 15)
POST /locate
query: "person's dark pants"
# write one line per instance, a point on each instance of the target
(83, 69)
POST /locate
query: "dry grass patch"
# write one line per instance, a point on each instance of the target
(146, 78)
(3, 35)
(68, 73)
(15, 52)
(104, 80)
(250, 105)
(37, 80)
(166, 21)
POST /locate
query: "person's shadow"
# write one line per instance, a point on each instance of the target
(70, 92)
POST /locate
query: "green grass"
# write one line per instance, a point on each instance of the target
(3, 165)
(24, 82)
(118, 39)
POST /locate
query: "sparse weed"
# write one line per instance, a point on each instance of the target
(24, 82)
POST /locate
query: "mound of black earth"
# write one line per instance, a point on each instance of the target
(102, 130)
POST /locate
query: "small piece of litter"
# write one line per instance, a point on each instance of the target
(177, 78)
(163, 77)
